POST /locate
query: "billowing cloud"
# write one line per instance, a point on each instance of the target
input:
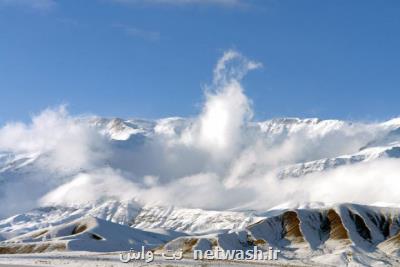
(219, 159)
(218, 128)
(67, 142)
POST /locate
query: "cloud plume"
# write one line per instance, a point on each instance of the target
(220, 159)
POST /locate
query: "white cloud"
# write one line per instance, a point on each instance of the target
(219, 159)
(34, 4)
(55, 133)
(218, 128)
(86, 188)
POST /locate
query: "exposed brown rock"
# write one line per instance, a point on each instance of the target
(394, 225)
(189, 244)
(394, 240)
(391, 245)
(32, 248)
(291, 227)
(79, 229)
(259, 242)
(39, 234)
(337, 231)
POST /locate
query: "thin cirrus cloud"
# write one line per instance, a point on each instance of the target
(138, 33)
(223, 3)
(33, 4)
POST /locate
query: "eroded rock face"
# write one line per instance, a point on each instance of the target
(33, 248)
(382, 222)
(291, 227)
(360, 225)
(311, 229)
(336, 229)
(391, 245)
(344, 233)
(297, 226)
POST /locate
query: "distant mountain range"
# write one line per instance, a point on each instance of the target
(307, 233)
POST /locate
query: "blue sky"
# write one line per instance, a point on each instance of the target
(150, 58)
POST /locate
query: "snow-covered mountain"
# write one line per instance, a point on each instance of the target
(148, 157)
(148, 179)
(342, 235)
(86, 234)
(380, 140)
(374, 140)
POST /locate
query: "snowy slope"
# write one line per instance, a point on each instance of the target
(193, 221)
(86, 234)
(147, 152)
(344, 235)
(365, 155)
(117, 212)
(171, 218)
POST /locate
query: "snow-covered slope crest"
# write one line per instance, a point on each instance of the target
(113, 211)
(185, 220)
(193, 221)
(343, 235)
(274, 130)
(121, 129)
(86, 234)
